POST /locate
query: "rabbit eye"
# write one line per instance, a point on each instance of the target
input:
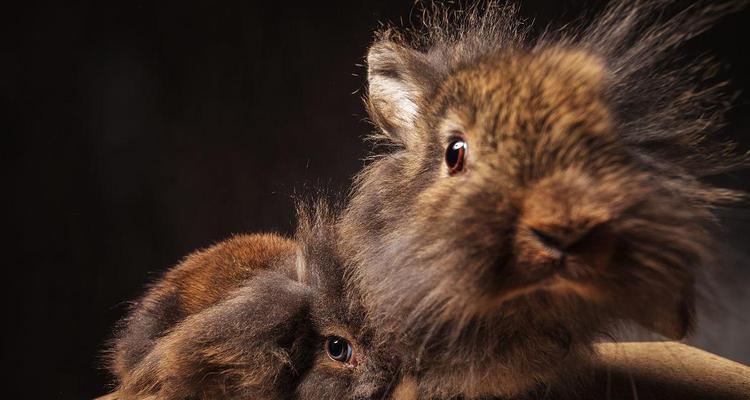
(454, 156)
(339, 349)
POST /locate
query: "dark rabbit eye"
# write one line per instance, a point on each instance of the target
(454, 156)
(339, 349)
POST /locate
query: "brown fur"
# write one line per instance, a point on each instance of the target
(201, 280)
(591, 137)
(579, 207)
(248, 318)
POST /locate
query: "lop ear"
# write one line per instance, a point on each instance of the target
(243, 347)
(672, 316)
(398, 84)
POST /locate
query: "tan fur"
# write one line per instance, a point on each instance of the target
(578, 207)
(205, 277)
(407, 389)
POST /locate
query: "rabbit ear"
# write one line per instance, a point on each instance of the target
(670, 316)
(398, 79)
(246, 346)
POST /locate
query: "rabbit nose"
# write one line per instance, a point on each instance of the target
(564, 215)
(565, 239)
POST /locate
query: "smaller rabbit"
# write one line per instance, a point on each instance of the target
(254, 317)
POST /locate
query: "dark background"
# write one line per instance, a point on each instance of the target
(136, 132)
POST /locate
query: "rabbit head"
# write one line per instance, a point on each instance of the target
(534, 191)
(254, 317)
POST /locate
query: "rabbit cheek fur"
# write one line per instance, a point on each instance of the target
(249, 318)
(499, 276)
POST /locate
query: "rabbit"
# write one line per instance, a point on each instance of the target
(535, 193)
(254, 317)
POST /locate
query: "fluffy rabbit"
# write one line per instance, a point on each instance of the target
(254, 317)
(535, 191)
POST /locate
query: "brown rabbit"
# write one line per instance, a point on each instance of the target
(254, 317)
(536, 191)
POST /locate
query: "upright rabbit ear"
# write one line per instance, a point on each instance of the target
(399, 82)
(245, 347)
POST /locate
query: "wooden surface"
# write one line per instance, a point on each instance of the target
(665, 371)
(657, 371)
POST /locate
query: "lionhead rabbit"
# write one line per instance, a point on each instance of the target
(535, 191)
(254, 317)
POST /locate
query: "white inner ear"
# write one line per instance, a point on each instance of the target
(396, 98)
(300, 266)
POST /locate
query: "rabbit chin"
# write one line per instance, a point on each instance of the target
(555, 285)
(562, 307)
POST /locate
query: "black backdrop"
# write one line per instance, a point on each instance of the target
(138, 131)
